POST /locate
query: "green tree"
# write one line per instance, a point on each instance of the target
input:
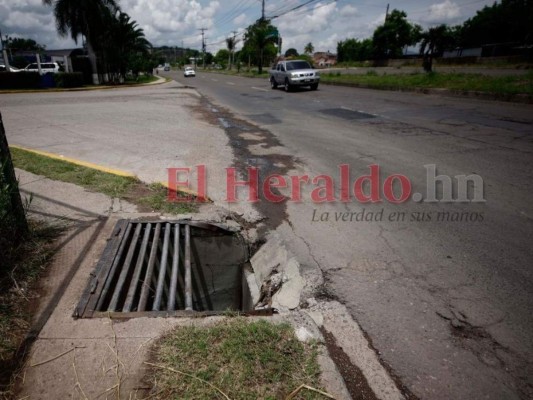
(21, 44)
(222, 57)
(122, 42)
(86, 18)
(355, 50)
(209, 57)
(505, 22)
(309, 48)
(390, 38)
(291, 53)
(259, 40)
(433, 43)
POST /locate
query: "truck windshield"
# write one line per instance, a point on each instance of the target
(297, 65)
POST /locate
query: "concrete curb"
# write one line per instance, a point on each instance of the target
(513, 98)
(86, 164)
(336, 319)
(160, 81)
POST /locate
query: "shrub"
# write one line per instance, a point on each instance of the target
(69, 79)
(19, 80)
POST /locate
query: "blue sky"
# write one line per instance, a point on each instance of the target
(173, 22)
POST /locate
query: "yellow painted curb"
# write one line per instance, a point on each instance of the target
(103, 169)
(187, 191)
(77, 162)
(85, 89)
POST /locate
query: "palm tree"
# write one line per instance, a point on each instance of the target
(231, 43)
(309, 48)
(83, 17)
(258, 36)
(123, 39)
(434, 42)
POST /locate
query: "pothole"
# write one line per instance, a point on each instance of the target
(168, 268)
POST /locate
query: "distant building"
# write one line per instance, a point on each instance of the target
(58, 56)
(460, 52)
(324, 59)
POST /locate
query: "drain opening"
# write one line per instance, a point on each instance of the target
(168, 268)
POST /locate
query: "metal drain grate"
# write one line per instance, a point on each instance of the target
(162, 268)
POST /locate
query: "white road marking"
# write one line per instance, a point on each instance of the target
(230, 83)
(214, 80)
(261, 89)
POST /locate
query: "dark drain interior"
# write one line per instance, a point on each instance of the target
(167, 268)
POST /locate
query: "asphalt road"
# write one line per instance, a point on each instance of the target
(445, 299)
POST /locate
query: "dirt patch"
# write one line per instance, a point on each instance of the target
(20, 293)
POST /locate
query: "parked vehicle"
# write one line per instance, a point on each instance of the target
(294, 73)
(46, 67)
(11, 69)
(189, 71)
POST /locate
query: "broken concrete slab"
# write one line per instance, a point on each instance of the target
(292, 285)
(273, 261)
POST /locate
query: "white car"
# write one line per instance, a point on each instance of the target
(11, 69)
(189, 71)
(45, 67)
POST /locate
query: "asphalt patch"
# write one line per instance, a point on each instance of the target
(349, 115)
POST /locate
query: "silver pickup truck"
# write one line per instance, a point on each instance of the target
(290, 74)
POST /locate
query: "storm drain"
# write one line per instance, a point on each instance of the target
(167, 268)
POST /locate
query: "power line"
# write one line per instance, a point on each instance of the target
(234, 12)
(293, 9)
(306, 11)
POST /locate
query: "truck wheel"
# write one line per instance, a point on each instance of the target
(273, 83)
(288, 86)
(314, 86)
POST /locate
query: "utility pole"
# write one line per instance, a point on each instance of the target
(233, 50)
(387, 13)
(263, 11)
(203, 45)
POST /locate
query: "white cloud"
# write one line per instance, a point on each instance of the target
(443, 12)
(328, 44)
(348, 11)
(318, 20)
(241, 20)
(169, 22)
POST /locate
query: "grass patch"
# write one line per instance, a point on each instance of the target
(155, 198)
(140, 79)
(245, 360)
(26, 262)
(453, 81)
(148, 197)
